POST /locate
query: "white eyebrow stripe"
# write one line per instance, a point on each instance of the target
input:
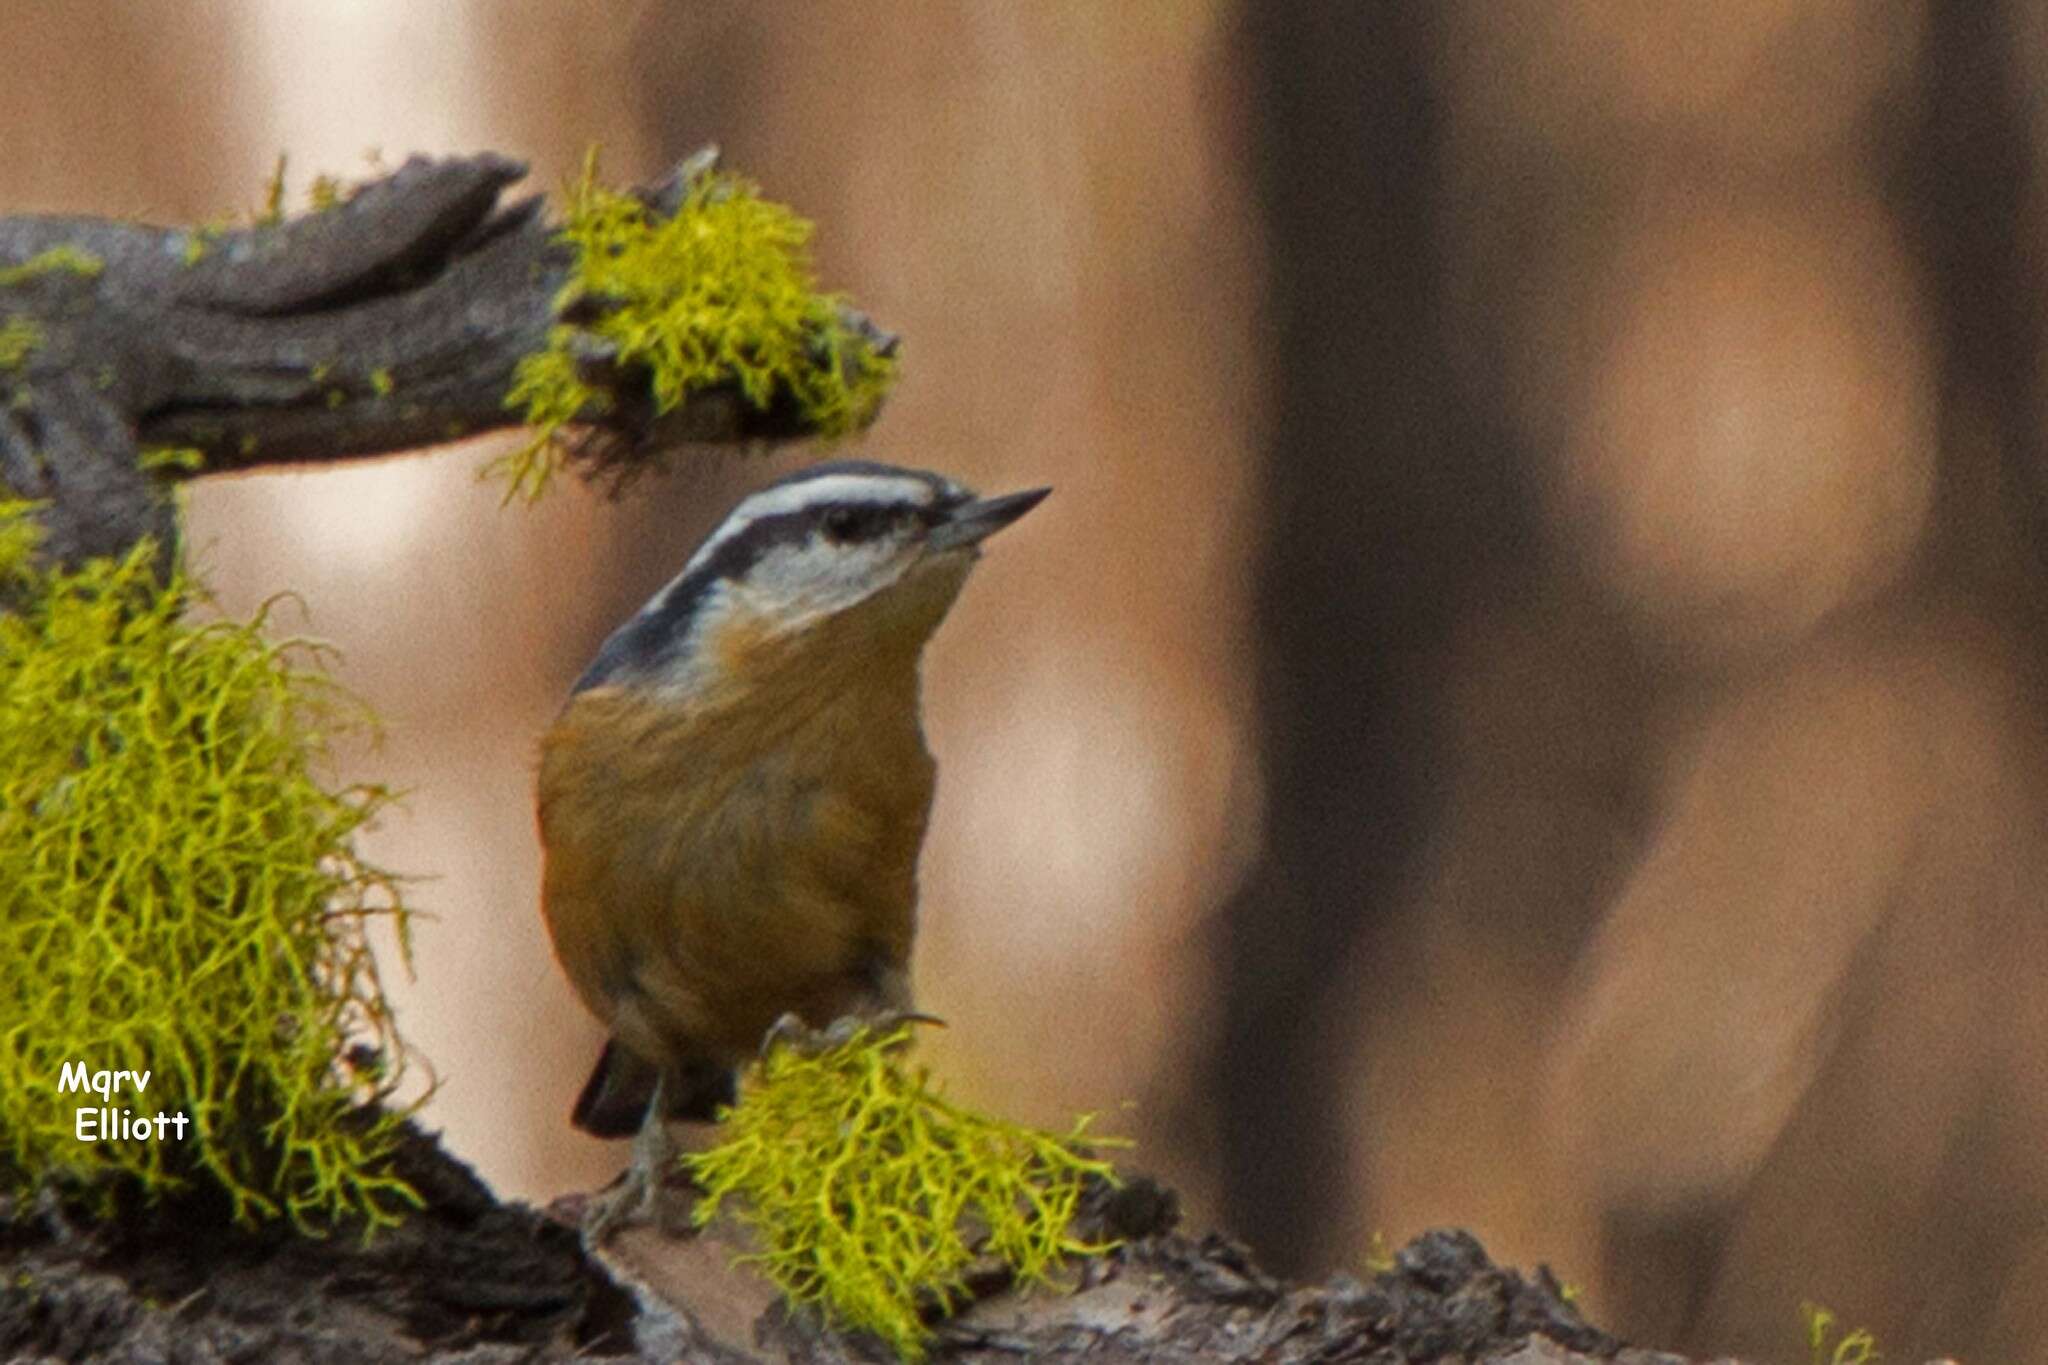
(795, 497)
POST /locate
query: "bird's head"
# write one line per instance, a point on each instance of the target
(855, 544)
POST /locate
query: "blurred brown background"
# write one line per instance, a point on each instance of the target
(1525, 710)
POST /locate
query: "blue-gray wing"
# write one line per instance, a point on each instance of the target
(653, 635)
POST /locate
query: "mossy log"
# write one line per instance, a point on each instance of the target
(475, 1281)
(395, 318)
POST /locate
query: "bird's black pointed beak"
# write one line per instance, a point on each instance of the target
(973, 522)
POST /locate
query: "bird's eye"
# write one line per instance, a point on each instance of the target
(855, 523)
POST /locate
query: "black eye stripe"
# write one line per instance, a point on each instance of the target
(864, 521)
(850, 522)
(655, 633)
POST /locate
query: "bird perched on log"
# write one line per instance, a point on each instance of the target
(732, 801)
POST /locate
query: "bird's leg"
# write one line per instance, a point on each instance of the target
(633, 1197)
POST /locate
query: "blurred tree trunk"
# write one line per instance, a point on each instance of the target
(1386, 500)
(1966, 191)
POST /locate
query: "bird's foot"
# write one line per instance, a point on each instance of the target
(629, 1200)
(792, 1032)
(635, 1196)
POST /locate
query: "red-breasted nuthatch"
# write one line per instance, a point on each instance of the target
(732, 800)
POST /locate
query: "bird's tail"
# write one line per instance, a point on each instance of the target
(615, 1098)
(621, 1086)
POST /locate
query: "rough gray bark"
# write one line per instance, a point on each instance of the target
(388, 321)
(471, 1280)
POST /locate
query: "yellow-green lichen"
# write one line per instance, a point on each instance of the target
(199, 241)
(1856, 1347)
(19, 338)
(721, 293)
(58, 260)
(869, 1195)
(187, 459)
(325, 192)
(272, 212)
(381, 382)
(178, 894)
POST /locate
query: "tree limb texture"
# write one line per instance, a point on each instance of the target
(390, 320)
(468, 1280)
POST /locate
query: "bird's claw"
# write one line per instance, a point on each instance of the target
(793, 1033)
(788, 1031)
(627, 1201)
(891, 1020)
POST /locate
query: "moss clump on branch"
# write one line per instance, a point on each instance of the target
(721, 292)
(178, 894)
(870, 1195)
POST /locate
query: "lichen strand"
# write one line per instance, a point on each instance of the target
(58, 260)
(1854, 1347)
(19, 339)
(326, 192)
(178, 894)
(199, 241)
(871, 1196)
(183, 459)
(272, 212)
(721, 293)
